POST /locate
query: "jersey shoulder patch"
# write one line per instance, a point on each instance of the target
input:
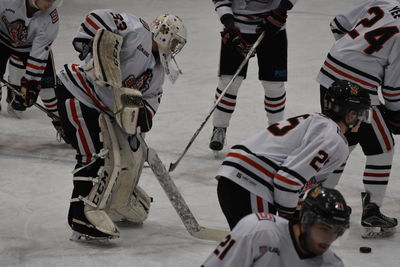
(54, 16)
(265, 216)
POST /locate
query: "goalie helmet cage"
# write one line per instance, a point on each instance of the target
(173, 165)
(176, 199)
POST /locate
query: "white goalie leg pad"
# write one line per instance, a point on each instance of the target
(129, 201)
(104, 67)
(137, 208)
(127, 102)
(98, 199)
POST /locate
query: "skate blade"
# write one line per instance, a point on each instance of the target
(78, 237)
(377, 232)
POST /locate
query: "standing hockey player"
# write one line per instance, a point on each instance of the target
(27, 30)
(243, 22)
(266, 240)
(367, 52)
(271, 170)
(101, 105)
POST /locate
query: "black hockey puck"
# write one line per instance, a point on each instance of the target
(365, 249)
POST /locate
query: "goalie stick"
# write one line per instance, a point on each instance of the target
(15, 89)
(173, 165)
(176, 198)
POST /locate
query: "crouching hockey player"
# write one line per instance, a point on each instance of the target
(102, 104)
(271, 170)
(267, 240)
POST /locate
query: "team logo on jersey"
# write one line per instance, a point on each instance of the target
(54, 16)
(265, 216)
(17, 30)
(141, 83)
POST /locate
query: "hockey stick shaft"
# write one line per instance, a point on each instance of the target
(173, 165)
(15, 89)
(176, 199)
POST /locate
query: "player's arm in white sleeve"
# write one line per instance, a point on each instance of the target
(345, 22)
(41, 45)
(96, 19)
(223, 9)
(241, 248)
(391, 85)
(319, 150)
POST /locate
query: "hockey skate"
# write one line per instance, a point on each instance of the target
(375, 224)
(217, 141)
(13, 112)
(14, 108)
(78, 237)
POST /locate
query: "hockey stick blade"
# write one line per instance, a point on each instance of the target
(210, 234)
(15, 89)
(173, 165)
(176, 199)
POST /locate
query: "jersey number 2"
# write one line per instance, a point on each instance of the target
(225, 246)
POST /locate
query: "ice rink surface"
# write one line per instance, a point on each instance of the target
(36, 179)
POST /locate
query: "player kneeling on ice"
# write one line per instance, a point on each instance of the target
(270, 171)
(262, 239)
(102, 104)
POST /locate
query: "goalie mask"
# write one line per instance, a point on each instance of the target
(169, 33)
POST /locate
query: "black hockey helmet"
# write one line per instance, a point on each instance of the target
(343, 97)
(326, 206)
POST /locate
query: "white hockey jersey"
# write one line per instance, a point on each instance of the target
(367, 50)
(287, 158)
(261, 240)
(247, 13)
(140, 69)
(32, 36)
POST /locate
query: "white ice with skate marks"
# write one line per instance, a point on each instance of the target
(35, 189)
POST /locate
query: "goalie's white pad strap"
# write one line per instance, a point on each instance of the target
(106, 50)
(127, 102)
(86, 179)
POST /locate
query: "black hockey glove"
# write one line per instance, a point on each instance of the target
(275, 19)
(29, 92)
(231, 36)
(392, 119)
(273, 22)
(15, 99)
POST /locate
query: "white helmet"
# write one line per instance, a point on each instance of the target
(56, 3)
(169, 33)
